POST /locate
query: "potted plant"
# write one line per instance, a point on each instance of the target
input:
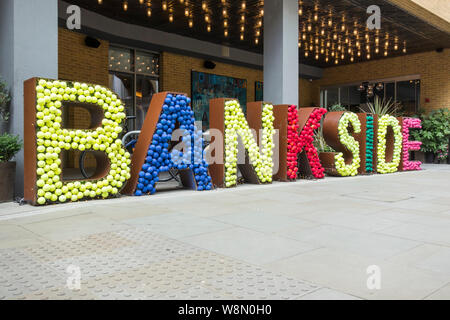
(5, 98)
(442, 155)
(435, 133)
(9, 146)
(326, 153)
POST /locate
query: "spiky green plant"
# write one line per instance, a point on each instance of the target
(383, 107)
(320, 143)
(337, 107)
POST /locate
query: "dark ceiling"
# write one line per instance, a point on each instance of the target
(344, 43)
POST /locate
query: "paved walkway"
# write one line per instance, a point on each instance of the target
(302, 240)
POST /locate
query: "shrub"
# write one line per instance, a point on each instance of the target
(435, 131)
(9, 146)
(5, 98)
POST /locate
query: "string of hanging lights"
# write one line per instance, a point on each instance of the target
(324, 33)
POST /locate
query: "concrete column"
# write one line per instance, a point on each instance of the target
(28, 48)
(281, 62)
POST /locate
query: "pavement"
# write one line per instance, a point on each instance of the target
(364, 237)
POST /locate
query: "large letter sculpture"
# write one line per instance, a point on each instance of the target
(227, 116)
(307, 120)
(45, 140)
(389, 146)
(410, 123)
(340, 137)
(153, 153)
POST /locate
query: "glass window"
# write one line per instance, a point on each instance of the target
(407, 93)
(406, 96)
(332, 97)
(121, 59)
(389, 91)
(134, 77)
(145, 88)
(123, 85)
(344, 99)
(147, 63)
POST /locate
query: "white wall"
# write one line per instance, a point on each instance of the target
(29, 48)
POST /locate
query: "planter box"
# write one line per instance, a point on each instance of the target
(7, 173)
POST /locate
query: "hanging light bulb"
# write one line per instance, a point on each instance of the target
(171, 17)
(125, 5)
(225, 23)
(100, 1)
(261, 12)
(368, 56)
(164, 5)
(256, 40)
(260, 23)
(404, 46)
(206, 17)
(243, 5)
(208, 28)
(242, 17)
(225, 32)
(141, 1)
(191, 23)
(258, 33)
(204, 5)
(242, 28)
(352, 59)
(186, 12)
(242, 36)
(149, 12)
(224, 12)
(300, 11)
(306, 54)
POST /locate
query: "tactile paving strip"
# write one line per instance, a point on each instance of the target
(136, 264)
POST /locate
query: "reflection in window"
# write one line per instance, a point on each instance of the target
(145, 88)
(134, 77)
(407, 93)
(123, 85)
(121, 59)
(332, 97)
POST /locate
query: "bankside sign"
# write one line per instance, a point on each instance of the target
(278, 143)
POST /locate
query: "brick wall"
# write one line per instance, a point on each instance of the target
(78, 62)
(176, 76)
(433, 68)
